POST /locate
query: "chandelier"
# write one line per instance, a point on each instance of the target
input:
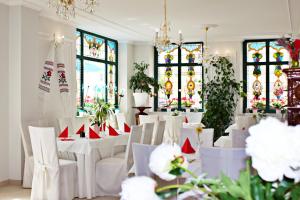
(162, 40)
(67, 8)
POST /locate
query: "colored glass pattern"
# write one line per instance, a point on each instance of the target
(191, 86)
(111, 84)
(168, 95)
(94, 47)
(278, 85)
(170, 56)
(191, 53)
(256, 84)
(256, 52)
(111, 49)
(278, 53)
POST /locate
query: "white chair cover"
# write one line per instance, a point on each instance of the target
(192, 117)
(191, 134)
(28, 165)
(244, 122)
(239, 138)
(150, 119)
(159, 136)
(111, 172)
(52, 179)
(147, 133)
(121, 120)
(141, 156)
(172, 129)
(229, 161)
(224, 142)
(207, 137)
(66, 122)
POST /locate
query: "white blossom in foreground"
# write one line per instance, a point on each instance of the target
(165, 158)
(274, 149)
(138, 188)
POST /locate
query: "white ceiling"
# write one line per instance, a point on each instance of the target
(136, 20)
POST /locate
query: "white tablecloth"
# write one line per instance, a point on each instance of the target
(88, 152)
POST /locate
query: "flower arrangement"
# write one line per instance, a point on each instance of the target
(175, 113)
(278, 104)
(274, 150)
(293, 47)
(259, 104)
(187, 102)
(102, 111)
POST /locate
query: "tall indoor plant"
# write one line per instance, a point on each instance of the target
(141, 84)
(221, 93)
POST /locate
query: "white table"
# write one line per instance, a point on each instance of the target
(88, 152)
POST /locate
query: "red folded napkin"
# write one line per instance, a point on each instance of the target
(67, 139)
(187, 147)
(186, 120)
(64, 133)
(93, 134)
(126, 128)
(80, 130)
(112, 131)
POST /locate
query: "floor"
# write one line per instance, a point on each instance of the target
(12, 192)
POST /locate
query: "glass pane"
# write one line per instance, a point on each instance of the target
(278, 85)
(168, 95)
(111, 49)
(111, 84)
(256, 84)
(169, 56)
(191, 87)
(191, 53)
(278, 53)
(78, 43)
(94, 82)
(78, 72)
(256, 52)
(94, 47)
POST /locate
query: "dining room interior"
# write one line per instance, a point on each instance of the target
(149, 99)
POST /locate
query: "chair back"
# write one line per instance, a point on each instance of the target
(121, 120)
(207, 137)
(239, 138)
(147, 133)
(66, 122)
(193, 117)
(172, 128)
(230, 161)
(148, 119)
(141, 156)
(135, 137)
(45, 184)
(26, 136)
(159, 135)
(244, 122)
(191, 134)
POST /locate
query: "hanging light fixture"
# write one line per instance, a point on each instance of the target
(67, 8)
(206, 53)
(162, 40)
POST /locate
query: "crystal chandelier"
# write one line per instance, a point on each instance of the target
(67, 8)
(162, 40)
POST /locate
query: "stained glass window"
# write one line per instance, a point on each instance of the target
(94, 47)
(97, 75)
(179, 71)
(265, 81)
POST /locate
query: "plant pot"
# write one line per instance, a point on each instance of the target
(278, 111)
(141, 99)
(255, 110)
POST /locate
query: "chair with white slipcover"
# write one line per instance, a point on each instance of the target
(121, 120)
(111, 172)
(207, 137)
(191, 134)
(229, 161)
(159, 135)
(141, 156)
(239, 138)
(26, 142)
(53, 179)
(193, 117)
(150, 119)
(147, 133)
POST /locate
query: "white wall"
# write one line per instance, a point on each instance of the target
(4, 63)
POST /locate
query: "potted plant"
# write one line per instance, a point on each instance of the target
(221, 92)
(277, 107)
(103, 111)
(141, 84)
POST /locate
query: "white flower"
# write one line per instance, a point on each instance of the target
(138, 188)
(163, 158)
(274, 149)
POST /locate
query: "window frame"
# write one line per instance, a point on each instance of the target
(179, 65)
(106, 62)
(267, 63)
